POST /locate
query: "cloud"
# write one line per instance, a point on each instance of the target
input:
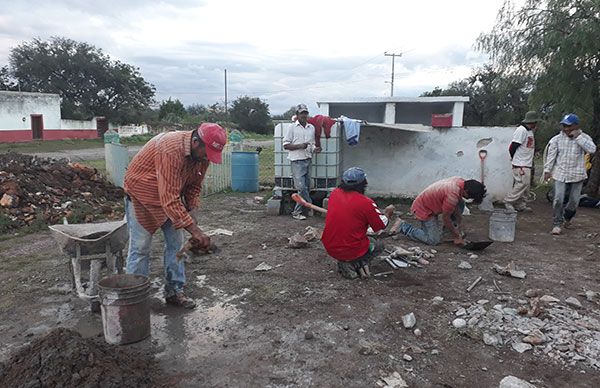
(269, 49)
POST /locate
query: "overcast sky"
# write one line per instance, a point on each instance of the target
(284, 52)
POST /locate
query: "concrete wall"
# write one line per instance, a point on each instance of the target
(78, 124)
(403, 163)
(16, 109)
(374, 113)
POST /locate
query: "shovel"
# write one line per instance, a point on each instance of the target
(477, 245)
(486, 204)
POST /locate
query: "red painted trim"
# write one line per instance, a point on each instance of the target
(60, 134)
(23, 135)
(16, 136)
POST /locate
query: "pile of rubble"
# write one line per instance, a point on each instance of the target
(542, 324)
(63, 358)
(38, 189)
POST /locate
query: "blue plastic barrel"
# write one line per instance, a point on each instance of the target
(244, 171)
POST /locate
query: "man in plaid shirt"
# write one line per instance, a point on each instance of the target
(566, 165)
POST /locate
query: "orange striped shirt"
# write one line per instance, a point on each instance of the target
(164, 182)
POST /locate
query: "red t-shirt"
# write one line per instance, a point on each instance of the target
(440, 197)
(349, 215)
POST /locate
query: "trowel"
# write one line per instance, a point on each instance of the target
(486, 204)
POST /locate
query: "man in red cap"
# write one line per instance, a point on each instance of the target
(162, 186)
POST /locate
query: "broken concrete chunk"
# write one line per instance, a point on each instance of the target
(417, 332)
(409, 320)
(465, 265)
(459, 323)
(573, 302)
(263, 267)
(297, 241)
(535, 337)
(313, 233)
(514, 382)
(521, 347)
(460, 312)
(406, 357)
(473, 256)
(490, 339)
(510, 270)
(532, 293)
(590, 295)
(437, 299)
(549, 299)
(392, 381)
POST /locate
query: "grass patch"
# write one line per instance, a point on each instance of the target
(266, 160)
(257, 136)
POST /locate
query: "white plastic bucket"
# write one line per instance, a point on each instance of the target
(503, 225)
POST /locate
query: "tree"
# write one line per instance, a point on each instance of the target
(196, 110)
(6, 81)
(494, 99)
(287, 115)
(88, 81)
(557, 44)
(171, 111)
(251, 114)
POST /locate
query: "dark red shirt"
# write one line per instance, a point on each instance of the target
(349, 215)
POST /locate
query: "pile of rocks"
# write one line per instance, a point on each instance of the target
(38, 189)
(542, 324)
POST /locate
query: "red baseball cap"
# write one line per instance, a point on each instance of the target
(213, 136)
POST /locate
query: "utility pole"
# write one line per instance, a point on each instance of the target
(225, 92)
(393, 60)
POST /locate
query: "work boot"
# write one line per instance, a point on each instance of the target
(556, 230)
(567, 224)
(180, 300)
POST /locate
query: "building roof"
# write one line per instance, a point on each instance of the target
(380, 100)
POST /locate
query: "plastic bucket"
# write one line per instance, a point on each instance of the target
(244, 171)
(125, 308)
(502, 225)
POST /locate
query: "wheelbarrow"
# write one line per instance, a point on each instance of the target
(94, 246)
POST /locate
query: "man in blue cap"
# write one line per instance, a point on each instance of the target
(350, 213)
(565, 163)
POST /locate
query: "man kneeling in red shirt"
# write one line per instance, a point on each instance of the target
(349, 215)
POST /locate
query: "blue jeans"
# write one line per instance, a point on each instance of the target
(138, 255)
(562, 212)
(430, 231)
(301, 175)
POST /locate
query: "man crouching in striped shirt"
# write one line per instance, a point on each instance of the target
(162, 186)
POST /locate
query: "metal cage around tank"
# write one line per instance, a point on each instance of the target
(326, 165)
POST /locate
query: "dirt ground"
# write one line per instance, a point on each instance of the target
(301, 324)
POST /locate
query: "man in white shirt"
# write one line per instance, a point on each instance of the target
(300, 143)
(521, 151)
(565, 163)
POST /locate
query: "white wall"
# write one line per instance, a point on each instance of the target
(16, 108)
(130, 130)
(78, 124)
(403, 163)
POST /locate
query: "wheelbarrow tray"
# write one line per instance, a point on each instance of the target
(92, 238)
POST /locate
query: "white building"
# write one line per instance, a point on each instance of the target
(28, 116)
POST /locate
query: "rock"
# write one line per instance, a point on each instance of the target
(263, 267)
(435, 352)
(437, 300)
(490, 340)
(392, 381)
(521, 347)
(460, 312)
(510, 270)
(406, 357)
(590, 295)
(249, 257)
(309, 335)
(465, 265)
(346, 327)
(7, 200)
(409, 320)
(459, 323)
(312, 233)
(417, 332)
(573, 302)
(536, 337)
(514, 382)
(532, 293)
(473, 256)
(549, 299)
(433, 251)
(472, 321)
(483, 301)
(297, 241)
